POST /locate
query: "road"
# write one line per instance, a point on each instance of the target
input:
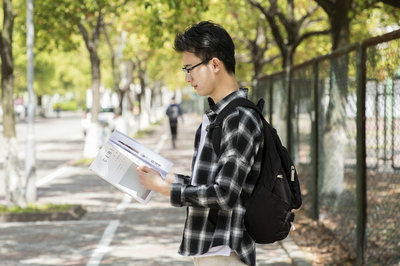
(116, 230)
(58, 141)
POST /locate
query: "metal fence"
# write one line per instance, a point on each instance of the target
(339, 116)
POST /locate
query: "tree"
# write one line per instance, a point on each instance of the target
(13, 181)
(288, 30)
(151, 28)
(340, 13)
(86, 18)
(254, 43)
(289, 27)
(122, 79)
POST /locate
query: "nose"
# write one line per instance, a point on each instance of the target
(188, 77)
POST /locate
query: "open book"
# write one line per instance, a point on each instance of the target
(117, 160)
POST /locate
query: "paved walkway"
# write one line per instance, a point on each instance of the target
(116, 230)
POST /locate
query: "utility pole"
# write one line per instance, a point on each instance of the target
(30, 164)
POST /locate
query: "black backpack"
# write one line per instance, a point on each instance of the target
(173, 112)
(268, 215)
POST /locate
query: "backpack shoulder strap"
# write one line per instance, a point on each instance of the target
(216, 126)
(271, 161)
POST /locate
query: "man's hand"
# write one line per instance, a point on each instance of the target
(152, 180)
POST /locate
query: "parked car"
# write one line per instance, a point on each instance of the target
(106, 117)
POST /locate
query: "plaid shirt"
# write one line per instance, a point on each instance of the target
(215, 213)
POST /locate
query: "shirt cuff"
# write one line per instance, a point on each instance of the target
(176, 193)
(182, 179)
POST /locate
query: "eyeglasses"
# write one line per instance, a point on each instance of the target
(188, 69)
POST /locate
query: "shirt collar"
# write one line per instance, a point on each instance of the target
(215, 109)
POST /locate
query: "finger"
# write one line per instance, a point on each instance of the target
(143, 169)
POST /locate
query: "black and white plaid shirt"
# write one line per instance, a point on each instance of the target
(215, 214)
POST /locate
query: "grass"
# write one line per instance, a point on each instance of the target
(31, 208)
(83, 162)
(142, 133)
(145, 132)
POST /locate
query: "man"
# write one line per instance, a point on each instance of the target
(214, 232)
(173, 112)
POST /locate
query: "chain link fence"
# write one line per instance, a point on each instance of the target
(348, 158)
(383, 152)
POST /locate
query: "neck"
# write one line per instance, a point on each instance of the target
(225, 86)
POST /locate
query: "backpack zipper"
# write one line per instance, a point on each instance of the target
(292, 171)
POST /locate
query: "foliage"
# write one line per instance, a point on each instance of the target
(66, 106)
(151, 28)
(62, 64)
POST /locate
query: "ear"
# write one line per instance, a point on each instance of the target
(216, 64)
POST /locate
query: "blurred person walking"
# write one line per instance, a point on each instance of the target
(174, 110)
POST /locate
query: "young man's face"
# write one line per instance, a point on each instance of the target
(201, 77)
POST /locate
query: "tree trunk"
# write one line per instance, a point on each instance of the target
(128, 78)
(334, 138)
(95, 71)
(285, 112)
(115, 69)
(13, 180)
(94, 137)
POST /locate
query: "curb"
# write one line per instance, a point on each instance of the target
(294, 253)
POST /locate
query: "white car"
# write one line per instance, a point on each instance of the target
(106, 119)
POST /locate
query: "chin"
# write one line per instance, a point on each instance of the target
(201, 93)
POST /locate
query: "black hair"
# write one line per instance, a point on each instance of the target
(207, 40)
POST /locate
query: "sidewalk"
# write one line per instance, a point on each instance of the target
(117, 230)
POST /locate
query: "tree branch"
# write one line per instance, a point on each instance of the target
(308, 14)
(269, 15)
(99, 25)
(394, 3)
(85, 35)
(327, 5)
(310, 34)
(270, 60)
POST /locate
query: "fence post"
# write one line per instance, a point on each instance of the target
(361, 157)
(289, 134)
(271, 102)
(315, 143)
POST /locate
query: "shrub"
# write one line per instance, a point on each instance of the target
(66, 106)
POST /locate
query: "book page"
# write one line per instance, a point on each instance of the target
(115, 168)
(117, 160)
(136, 151)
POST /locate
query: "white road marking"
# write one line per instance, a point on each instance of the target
(60, 171)
(161, 143)
(104, 244)
(125, 201)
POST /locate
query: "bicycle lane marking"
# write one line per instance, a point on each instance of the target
(104, 246)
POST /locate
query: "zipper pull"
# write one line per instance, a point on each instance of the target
(293, 227)
(292, 176)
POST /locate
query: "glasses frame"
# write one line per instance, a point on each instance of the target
(187, 70)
